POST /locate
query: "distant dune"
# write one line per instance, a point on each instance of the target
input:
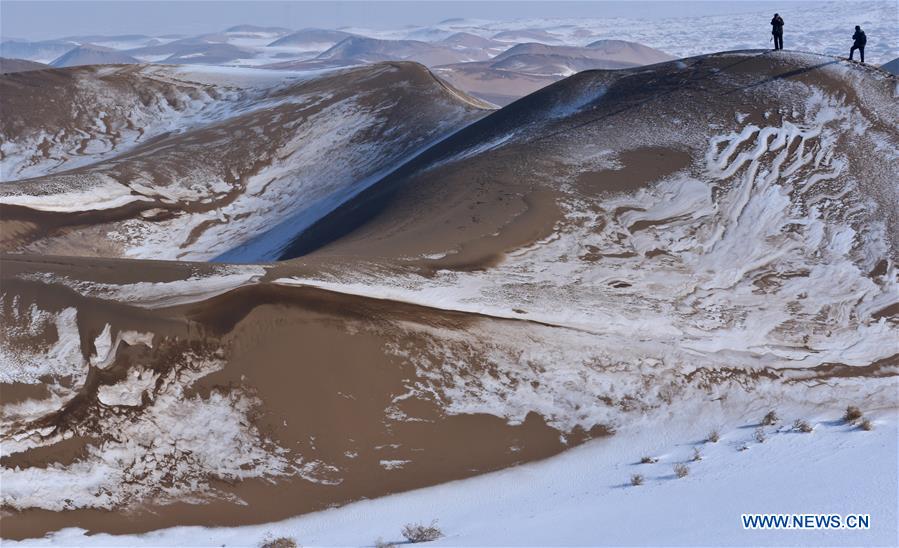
(312, 39)
(90, 54)
(369, 50)
(525, 68)
(192, 50)
(255, 29)
(43, 51)
(527, 35)
(891, 66)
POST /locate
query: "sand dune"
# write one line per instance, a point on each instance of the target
(43, 51)
(199, 193)
(484, 289)
(368, 50)
(312, 39)
(8, 66)
(527, 67)
(90, 54)
(892, 66)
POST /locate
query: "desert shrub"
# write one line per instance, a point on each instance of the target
(697, 456)
(416, 532)
(803, 426)
(760, 435)
(637, 479)
(713, 436)
(867, 425)
(381, 543)
(852, 414)
(648, 460)
(681, 470)
(281, 542)
(770, 418)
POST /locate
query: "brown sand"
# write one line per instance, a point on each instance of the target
(320, 364)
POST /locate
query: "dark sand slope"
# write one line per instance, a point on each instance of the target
(717, 229)
(8, 66)
(274, 154)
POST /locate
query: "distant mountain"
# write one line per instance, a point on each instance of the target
(8, 66)
(428, 34)
(210, 54)
(543, 59)
(254, 29)
(122, 41)
(467, 42)
(527, 35)
(192, 50)
(371, 50)
(90, 54)
(525, 68)
(891, 66)
(629, 52)
(312, 39)
(43, 51)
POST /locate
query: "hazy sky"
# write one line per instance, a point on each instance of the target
(36, 19)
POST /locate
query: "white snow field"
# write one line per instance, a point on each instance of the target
(584, 497)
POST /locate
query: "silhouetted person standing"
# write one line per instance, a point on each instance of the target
(859, 43)
(777, 29)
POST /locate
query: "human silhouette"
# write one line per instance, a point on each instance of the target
(777, 29)
(859, 43)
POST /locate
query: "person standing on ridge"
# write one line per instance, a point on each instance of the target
(859, 44)
(777, 29)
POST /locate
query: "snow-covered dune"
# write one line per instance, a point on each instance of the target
(212, 161)
(611, 268)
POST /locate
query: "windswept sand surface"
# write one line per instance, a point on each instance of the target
(483, 289)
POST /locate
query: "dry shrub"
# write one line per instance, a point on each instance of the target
(416, 532)
(867, 425)
(803, 426)
(760, 435)
(637, 479)
(648, 460)
(681, 470)
(697, 456)
(771, 418)
(852, 414)
(713, 436)
(281, 542)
